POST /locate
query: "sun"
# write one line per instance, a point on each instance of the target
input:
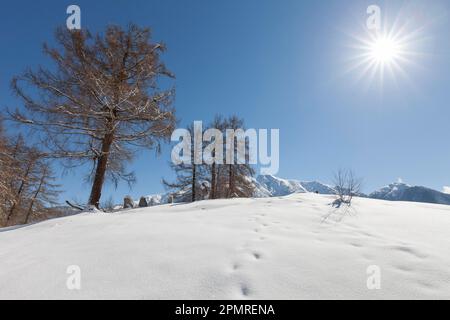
(389, 56)
(384, 56)
(385, 50)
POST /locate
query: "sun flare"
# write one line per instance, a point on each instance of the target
(385, 56)
(385, 50)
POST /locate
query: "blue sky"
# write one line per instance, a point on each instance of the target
(277, 64)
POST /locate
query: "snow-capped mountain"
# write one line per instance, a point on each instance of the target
(157, 199)
(318, 187)
(265, 186)
(404, 192)
(271, 186)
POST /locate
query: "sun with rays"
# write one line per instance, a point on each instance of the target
(385, 53)
(384, 50)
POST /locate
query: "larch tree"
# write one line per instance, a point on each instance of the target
(190, 177)
(33, 186)
(42, 195)
(213, 178)
(219, 124)
(7, 174)
(27, 183)
(238, 175)
(101, 103)
(233, 177)
(24, 162)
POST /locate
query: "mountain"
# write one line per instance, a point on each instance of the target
(317, 187)
(157, 199)
(404, 192)
(271, 186)
(265, 186)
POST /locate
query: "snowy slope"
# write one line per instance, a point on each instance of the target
(405, 192)
(270, 248)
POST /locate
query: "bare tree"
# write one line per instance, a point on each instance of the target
(230, 179)
(219, 124)
(27, 182)
(347, 185)
(43, 193)
(210, 179)
(101, 103)
(7, 175)
(239, 183)
(25, 163)
(188, 186)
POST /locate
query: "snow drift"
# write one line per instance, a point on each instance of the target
(270, 248)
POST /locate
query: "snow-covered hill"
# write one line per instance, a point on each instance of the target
(404, 192)
(269, 248)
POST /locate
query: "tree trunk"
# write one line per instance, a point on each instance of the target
(30, 208)
(19, 192)
(100, 172)
(194, 174)
(230, 182)
(213, 181)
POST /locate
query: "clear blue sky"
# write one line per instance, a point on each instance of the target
(277, 64)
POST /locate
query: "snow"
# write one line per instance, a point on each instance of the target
(315, 186)
(157, 199)
(404, 192)
(265, 186)
(269, 248)
(271, 186)
(390, 192)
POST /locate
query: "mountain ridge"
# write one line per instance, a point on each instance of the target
(399, 191)
(272, 186)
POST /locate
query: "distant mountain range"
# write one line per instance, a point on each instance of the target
(271, 186)
(405, 192)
